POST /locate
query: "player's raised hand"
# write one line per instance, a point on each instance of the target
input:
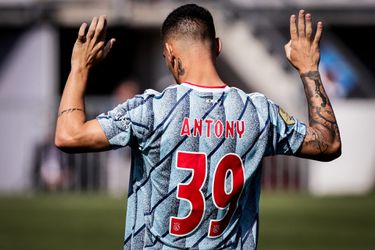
(90, 46)
(302, 50)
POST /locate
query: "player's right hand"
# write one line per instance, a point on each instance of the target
(302, 50)
(90, 46)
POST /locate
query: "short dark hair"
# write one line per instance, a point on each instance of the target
(189, 21)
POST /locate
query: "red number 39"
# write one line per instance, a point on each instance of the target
(192, 192)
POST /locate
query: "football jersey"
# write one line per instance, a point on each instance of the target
(196, 164)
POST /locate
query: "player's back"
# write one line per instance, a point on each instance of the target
(195, 179)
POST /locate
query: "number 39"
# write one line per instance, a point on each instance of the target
(192, 192)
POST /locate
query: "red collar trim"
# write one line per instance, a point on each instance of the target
(207, 87)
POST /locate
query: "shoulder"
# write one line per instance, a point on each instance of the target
(154, 94)
(147, 96)
(263, 107)
(261, 101)
(258, 97)
(253, 96)
(257, 100)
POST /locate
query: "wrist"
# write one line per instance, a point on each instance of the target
(80, 69)
(307, 70)
(312, 74)
(78, 76)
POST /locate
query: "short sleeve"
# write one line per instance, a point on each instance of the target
(125, 123)
(286, 132)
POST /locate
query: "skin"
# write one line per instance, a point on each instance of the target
(73, 132)
(322, 141)
(192, 61)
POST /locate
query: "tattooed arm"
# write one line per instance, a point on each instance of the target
(73, 133)
(322, 141)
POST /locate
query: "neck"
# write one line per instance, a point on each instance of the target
(194, 63)
(200, 69)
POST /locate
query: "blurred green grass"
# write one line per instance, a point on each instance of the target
(309, 223)
(95, 222)
(61, 222)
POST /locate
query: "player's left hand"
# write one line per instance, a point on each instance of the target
(302, 50)
(90, 46)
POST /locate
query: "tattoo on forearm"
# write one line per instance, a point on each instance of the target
(311, 74)
(314, 75)
(65, 111)
(319, 93)
(320, 113)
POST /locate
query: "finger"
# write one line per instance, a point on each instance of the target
(301, 23)
(308, 26)
(109, 46)
(82, 32)
(293, 28)
(100, 27)
(98, 46)
(318, 33)
(104, 32)
(91, 32)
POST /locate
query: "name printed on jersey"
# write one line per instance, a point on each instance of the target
(208, 127)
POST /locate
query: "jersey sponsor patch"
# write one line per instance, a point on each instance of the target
(289, 120)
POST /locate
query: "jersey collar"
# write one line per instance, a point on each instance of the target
(202, 88)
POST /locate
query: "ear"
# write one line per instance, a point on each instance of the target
(169, 54)
(218, 46)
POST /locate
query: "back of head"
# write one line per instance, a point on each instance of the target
(192, 23)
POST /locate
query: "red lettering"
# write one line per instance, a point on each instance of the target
(229, 129)
(185, 130)
(197, 127)
(208, 127)
(240, 129)
(218, 129)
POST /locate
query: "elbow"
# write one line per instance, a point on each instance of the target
(336, 150)
(333, 152)
(59, 142)
(64, 142)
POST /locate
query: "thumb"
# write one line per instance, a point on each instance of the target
(288, 49)
(108, 46)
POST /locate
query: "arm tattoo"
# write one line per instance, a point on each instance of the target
(65, 111)
(320, 114)
(314, 75)
(316, 141)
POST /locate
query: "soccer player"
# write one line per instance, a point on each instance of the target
(197, 146)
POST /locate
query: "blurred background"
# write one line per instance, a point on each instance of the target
(53, 200)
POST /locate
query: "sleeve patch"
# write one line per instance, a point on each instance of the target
(289, 120)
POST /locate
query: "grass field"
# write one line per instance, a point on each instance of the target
(95, 222)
